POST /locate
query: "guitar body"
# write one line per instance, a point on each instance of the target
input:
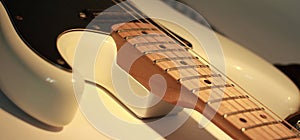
(40, 88)
(37, 60)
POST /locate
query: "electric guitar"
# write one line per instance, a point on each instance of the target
(43, 43)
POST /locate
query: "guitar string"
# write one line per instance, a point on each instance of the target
(154, 25)
(139, 38)
(247, 93)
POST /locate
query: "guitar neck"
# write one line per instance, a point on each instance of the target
(155, 59)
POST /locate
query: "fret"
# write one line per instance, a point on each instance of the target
(186, 67)
(256, 120)
(137, 25)
(236, 107)
(194, 84)
(143, 36)
(182, 66)
(275, 130)
(160, 51)
(129, 26)
(241, 121)
(198, 77)
(208, 94)
(281, 130)
(152, 43)
(210, 87)
(135, 29)
(226, 99)
(260, 125)
(172, 59)
(146, 38)
(183, 72)
(186, 72)
(167, 55)
(251, 123)
(243, 111)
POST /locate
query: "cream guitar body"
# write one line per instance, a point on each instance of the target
(46, 91)
(250, 71)
(36, 86)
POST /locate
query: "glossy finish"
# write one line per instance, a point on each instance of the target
(259, 78)
(38, 23)
(36, 86)
(20, 69)
(255, 75)
(98, 65)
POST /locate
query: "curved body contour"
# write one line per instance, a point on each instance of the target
(58, 83)
(36, 86)
(252, 73)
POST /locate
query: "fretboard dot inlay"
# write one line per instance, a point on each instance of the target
(183, 63)
(207, 82)
(144, 32)
(175, 61)
(263, 116)
(162, 46)
(243, 120)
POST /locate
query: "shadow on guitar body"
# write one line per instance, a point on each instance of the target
(11, 108)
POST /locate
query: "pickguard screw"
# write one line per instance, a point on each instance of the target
(19, 18)
(60, 61)
(82, 15)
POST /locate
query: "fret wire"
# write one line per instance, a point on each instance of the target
(248, 119)
(260, 121)
(135, 29)
(150, 23)
(186, 67)
(172, 59)
(252, 103)
(228, 98)
(260, 125)
(197, 77)
(158, 51)
(243, 111)
(210, 87)
(237, 106)
(152, 43)
(169, 55)
(257, 117)
(146, 35)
